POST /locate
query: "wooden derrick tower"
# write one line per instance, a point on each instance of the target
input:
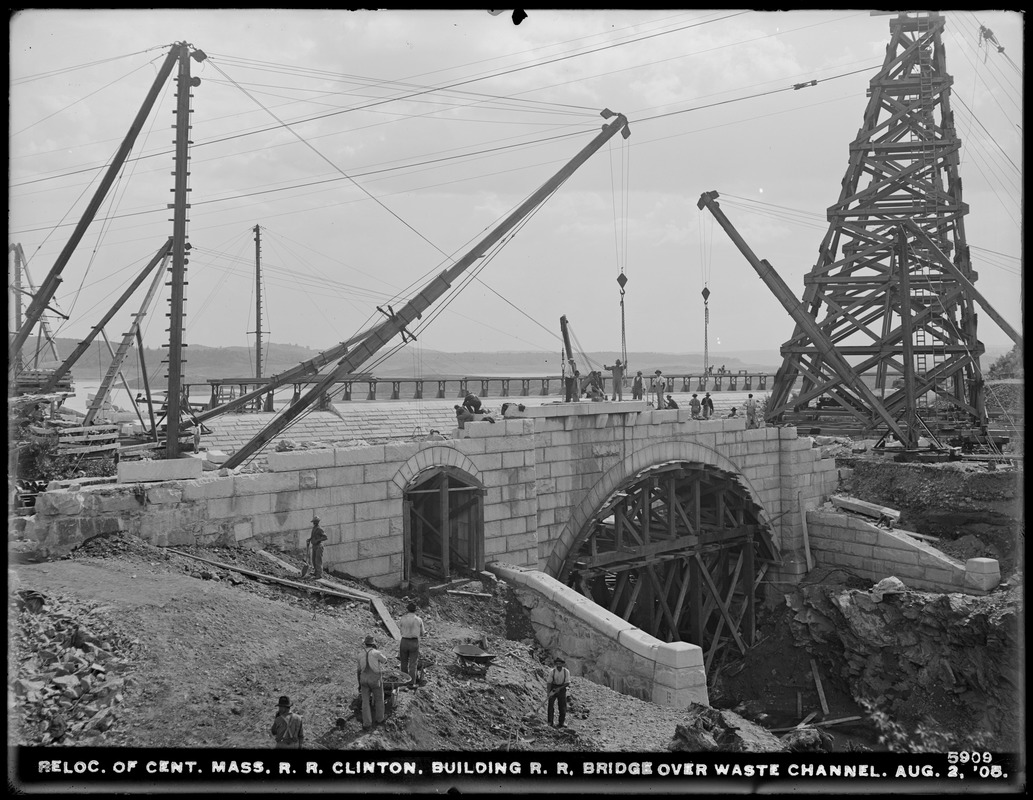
(892, 287)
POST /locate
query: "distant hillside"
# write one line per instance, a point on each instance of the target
(238, 362)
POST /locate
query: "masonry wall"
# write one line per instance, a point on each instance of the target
(603, 647)
(868, 551)
(543, 476)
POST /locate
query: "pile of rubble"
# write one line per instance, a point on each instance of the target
(68, 676)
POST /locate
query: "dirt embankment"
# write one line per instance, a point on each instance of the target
(975, 509)
(172, 652)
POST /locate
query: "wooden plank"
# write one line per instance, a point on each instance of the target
(289, 567)
(821, 689)
(470, 594)
(823, 724)
(77, 429)
(94, 449)
(356, 593)
(385, 616)
(806, 537)
(252, 574)
(140, 448)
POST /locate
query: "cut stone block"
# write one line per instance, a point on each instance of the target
(169, 469)
(864, 507)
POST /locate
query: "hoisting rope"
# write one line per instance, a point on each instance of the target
(621, 240)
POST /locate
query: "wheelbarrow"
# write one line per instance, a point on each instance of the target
(471, 658)
(392, 681)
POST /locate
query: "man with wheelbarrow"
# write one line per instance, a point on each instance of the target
(559, 679)
(370, 672)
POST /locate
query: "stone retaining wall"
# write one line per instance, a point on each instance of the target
(874, 553)
(603, 647)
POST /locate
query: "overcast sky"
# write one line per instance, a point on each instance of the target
(374, 148)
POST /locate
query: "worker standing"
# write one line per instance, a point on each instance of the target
(315, 546)
(370, 673)
(559, 679)
(751, 412)
(617, 370)
(636, 387)
(412, 629)
(659, 386)
(708, 406)
(695, 406)
(288, 727)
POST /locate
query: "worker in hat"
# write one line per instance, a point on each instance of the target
(314, 549)
(659, 387)
(288, 728)
(559, 679)
(708, 406)
(370, 672)
(412, 629)
(617, 370)
(636, 387)
(751, 412)
(695, 406)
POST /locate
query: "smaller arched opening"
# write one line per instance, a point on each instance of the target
(443, 524)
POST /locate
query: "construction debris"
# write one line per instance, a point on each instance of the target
(707, 730)
(67, 690)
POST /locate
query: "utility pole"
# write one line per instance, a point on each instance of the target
(17, 283)
(258, 302)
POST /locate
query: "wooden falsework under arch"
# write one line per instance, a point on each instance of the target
(680, 553)
(443, 505)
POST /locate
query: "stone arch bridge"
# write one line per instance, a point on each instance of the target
(669, 523)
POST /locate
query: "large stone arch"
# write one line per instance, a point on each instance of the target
(637, 462)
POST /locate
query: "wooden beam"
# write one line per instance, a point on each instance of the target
(721, 607)
(806, 538)
(643, 551)
(721, 621)
(821, 690)
(631, 601)
(617, 590)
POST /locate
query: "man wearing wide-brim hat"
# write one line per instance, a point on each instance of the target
(370, 672)
(659, 387)
(288, 728)
(314, 549)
